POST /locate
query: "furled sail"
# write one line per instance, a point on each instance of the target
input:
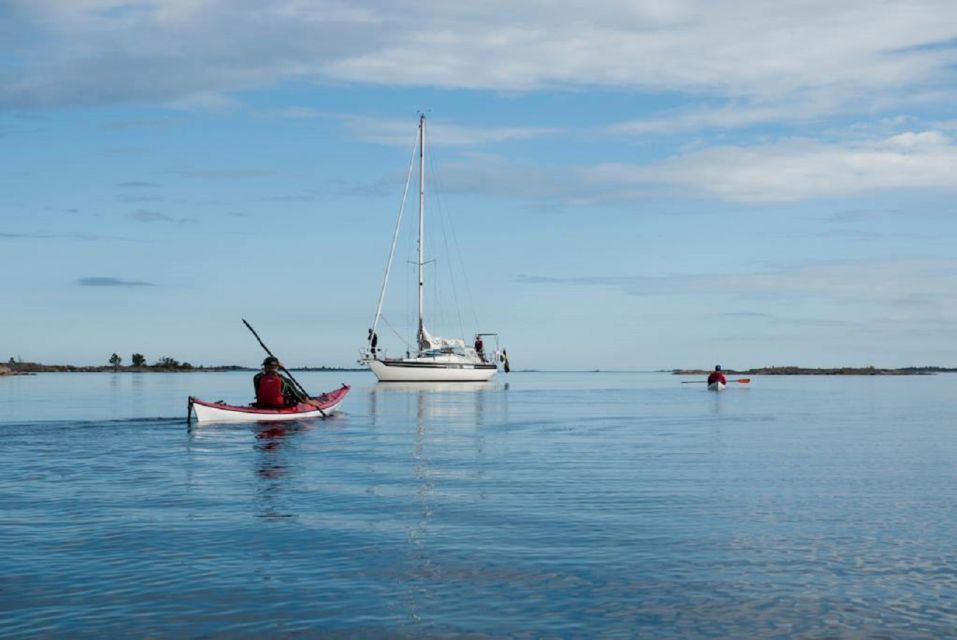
(428, 342)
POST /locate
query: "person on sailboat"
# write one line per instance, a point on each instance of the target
(373, 342)
(480, 348)
(717, 376)
(273, 390)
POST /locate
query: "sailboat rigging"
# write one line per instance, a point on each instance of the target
(436, 359)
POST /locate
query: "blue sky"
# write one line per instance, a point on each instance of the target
(627, 185)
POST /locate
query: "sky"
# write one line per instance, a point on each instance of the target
(628, 185)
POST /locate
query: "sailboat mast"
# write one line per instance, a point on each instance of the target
(421, 230)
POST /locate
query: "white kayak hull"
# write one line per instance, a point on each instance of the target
(421, 370)
(717, 386)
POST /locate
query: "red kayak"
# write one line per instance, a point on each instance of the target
(321, 406)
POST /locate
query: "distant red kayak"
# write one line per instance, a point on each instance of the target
(222, 412)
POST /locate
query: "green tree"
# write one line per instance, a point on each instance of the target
(115, 360)
(138, 360)
(167, 363)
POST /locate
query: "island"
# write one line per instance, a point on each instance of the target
(166, 365)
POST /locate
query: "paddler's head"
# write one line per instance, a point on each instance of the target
(271, 364)
(717, 367)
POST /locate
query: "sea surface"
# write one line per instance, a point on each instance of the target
(541, 505)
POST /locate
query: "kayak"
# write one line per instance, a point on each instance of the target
(222, 412)
(716, 386)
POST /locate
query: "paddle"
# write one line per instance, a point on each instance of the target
(741, 380)
(308, 399)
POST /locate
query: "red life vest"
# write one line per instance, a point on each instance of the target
(717, 376)
(269, 392)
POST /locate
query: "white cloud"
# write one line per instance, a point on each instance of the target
(787, 171)
(801, 107)
(725, 117)
(797, 169)
(731, 48)
(813, 52)
(919, 140)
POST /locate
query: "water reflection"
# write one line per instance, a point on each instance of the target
(434, 386)
(611, 511)
(273, 446)
(138, 393)
(214, 447)
(416, 532)
(716, 402)
(446, 445)
(268, 443)
(436, 399)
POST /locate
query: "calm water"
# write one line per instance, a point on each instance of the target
(540, 506)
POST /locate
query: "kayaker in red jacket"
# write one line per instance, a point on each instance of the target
(717, 376)
(273, 390)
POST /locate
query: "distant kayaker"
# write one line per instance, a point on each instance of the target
(717, 376)
(274, 390)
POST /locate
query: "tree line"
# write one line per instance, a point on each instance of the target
(138, 360)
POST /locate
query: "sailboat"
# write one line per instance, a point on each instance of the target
(435, 359)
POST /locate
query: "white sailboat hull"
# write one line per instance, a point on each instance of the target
(427, 370)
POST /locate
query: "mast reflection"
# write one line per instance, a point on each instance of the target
(448, 420)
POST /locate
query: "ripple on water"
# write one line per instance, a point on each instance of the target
(564, 509)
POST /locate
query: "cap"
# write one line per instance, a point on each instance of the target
(271, 360)
(717, 367)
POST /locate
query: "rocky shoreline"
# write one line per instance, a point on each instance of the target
(7, 371)
(32, 368)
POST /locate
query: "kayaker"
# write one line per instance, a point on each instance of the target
(373, 342)
(717, 376)
(274, 390)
